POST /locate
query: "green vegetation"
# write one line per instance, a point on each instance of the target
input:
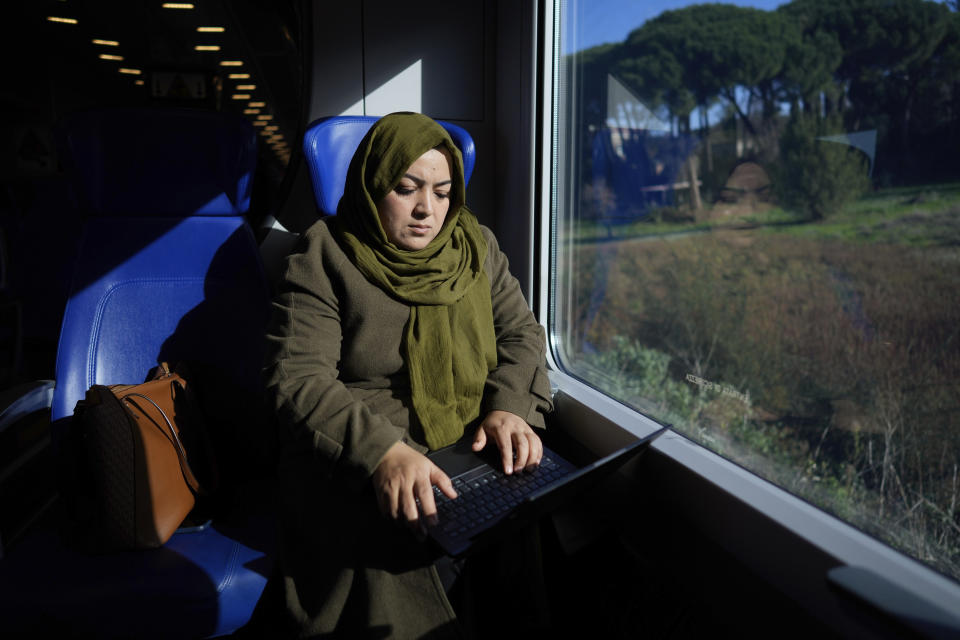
(888, 66)
(815, 176)
(784, 309)
(923, 215)
(830, 367)
(919, 216)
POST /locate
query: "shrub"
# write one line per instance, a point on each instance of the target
(849, 353)
(816, 176)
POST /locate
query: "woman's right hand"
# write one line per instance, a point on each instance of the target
(405, 476)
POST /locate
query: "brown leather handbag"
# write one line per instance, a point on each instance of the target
(137, 482)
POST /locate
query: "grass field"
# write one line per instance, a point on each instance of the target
(922, 215)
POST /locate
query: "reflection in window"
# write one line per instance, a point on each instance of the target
(757, 215)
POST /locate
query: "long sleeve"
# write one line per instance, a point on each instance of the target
(303, 374)
(335, 373)
(519, 384)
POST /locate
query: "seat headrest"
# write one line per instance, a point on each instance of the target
(153, 162)
(329, 145)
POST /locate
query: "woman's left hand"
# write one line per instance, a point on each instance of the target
(520, 448)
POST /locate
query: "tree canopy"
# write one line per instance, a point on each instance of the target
(891, 65)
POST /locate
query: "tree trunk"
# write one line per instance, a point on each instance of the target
(731, 96)
(695, 201)
(907, 113)
(739, 137)
(708, 148)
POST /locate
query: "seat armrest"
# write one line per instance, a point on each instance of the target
(26, 473)
(24, 399)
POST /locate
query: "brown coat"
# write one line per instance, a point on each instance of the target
(336, 376)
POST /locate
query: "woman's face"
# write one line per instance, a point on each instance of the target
(413, 212)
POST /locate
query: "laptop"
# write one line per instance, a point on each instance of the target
(491, 504)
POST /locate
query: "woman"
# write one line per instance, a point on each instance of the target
(396, 327)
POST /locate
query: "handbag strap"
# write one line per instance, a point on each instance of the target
(181, 453)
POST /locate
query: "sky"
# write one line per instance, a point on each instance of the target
(601, 21)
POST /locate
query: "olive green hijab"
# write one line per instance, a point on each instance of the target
(449, 342)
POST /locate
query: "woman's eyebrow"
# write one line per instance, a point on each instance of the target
(420, 181)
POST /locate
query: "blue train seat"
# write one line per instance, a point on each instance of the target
(330, 143)
(169, 270)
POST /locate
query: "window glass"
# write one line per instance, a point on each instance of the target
(756, 214)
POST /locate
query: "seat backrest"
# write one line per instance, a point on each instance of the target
(168, 269)
(329, 145)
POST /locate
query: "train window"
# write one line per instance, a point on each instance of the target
(756, 232)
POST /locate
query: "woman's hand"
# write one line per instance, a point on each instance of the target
(520, 448)
(405, 476)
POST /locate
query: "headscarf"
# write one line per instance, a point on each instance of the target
(449, 342)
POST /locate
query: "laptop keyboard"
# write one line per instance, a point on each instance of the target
(488, 494)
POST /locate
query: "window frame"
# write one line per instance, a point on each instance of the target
(776, 534)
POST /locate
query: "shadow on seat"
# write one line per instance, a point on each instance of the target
(168, 270)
